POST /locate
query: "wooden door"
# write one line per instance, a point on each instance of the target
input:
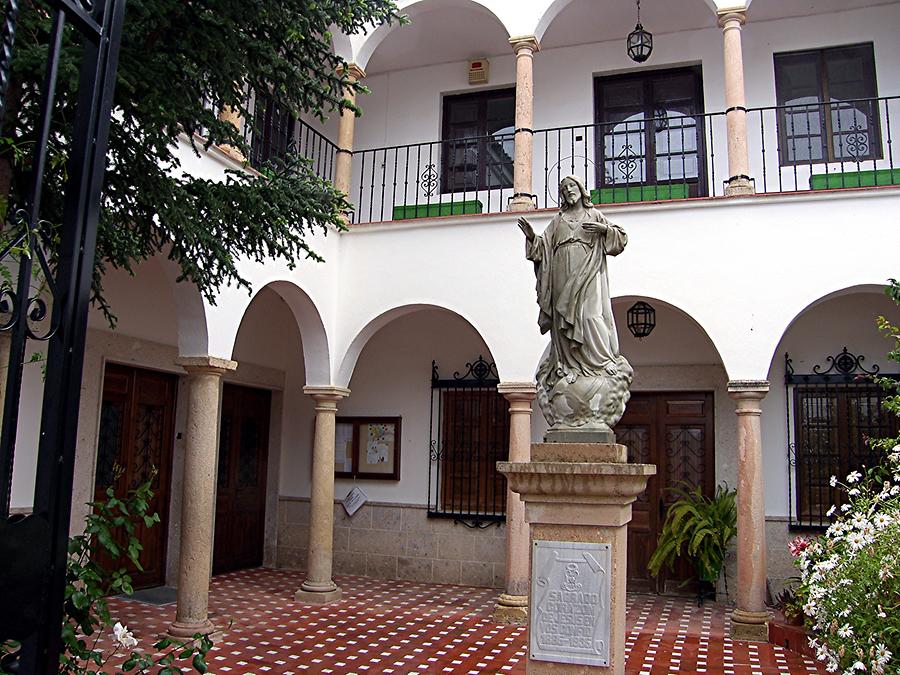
(675, 432)
(137, 417)
(241, 482)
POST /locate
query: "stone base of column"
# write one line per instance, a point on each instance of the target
(185, 632)
(739, 186)
(511, 609)
(521, 203)
(318, 593)
(750, 626)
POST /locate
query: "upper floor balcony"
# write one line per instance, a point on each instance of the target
(818, 110)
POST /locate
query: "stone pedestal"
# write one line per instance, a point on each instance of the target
(578, 500)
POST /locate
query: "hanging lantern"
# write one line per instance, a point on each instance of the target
(641, 319)
(640, 42)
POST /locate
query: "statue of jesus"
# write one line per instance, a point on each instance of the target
(583, 383)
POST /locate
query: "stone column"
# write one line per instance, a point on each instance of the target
(739, 181)
(525, 46)
(578, 500)
(198, 500)
(512, 605)
(319, 588)
(344, 159)
(229, 114)
(750, 617)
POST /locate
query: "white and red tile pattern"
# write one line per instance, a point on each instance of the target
(405, 627)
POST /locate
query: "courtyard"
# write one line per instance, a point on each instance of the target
(389, 626)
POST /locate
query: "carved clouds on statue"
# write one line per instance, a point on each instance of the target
(583, 383)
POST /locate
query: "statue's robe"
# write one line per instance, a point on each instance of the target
(573, 294)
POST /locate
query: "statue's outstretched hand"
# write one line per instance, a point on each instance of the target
(525, 226)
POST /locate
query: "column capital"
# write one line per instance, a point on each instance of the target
(206, 364)
(326, 393)
(353, 71)
(732, 18)
(518, 391)
(759, 388)
(529, 42)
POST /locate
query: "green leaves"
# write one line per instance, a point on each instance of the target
(698, 528)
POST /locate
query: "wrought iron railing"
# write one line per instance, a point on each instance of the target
(317, 148)
(818, 146)
(469, 432)
(832, 412)
(814, 146)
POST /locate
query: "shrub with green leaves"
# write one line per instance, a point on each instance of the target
(697, 528)
(851, 575)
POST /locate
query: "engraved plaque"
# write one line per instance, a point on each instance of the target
(570, 591)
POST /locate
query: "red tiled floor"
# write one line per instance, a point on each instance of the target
(405, 627)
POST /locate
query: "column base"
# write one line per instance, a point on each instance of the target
(521, 203)
(511, 609)
(185, 632)
(319, 593)
(750, 626)
(738, 186)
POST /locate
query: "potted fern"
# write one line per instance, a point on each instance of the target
(697, 528)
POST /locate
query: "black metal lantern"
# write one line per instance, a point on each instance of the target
(640, 42)
(641, 319)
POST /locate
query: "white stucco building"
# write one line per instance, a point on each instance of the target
(754, 174)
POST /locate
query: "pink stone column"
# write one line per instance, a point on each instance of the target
(319, 588)
(344, 158)
(198, 486)
(739, 181)
(525, 48)
(749, 620)
(512, 605)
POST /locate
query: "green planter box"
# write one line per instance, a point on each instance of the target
(636, 193)
(852, 179)
(437, 209)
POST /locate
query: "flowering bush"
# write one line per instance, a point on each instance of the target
(850, 577)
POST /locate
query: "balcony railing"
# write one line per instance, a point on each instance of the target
(795, 148)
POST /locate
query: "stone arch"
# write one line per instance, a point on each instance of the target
(413, 8)
(374, 324)
(190, 306)
(341, 45)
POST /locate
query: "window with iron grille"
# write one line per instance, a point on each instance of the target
(831, 412)
(469, 435)
(830, 111)
(274, 128)
(478, 141)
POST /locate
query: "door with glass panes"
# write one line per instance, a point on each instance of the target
(650, 136)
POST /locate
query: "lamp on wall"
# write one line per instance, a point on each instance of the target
(641, 319)
(640, 42)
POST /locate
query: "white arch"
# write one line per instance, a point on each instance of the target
(809, 303)
(313, 337)
(379, 321)
(548, 16)
(190, 308)
(341, 45)
(412, 8)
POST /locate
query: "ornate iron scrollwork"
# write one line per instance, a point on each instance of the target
(626, 162)
(478, 370)
(845, 363)
(429, 180)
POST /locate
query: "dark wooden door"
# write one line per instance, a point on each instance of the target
(241, 486)
(137, 417)
(674, 431)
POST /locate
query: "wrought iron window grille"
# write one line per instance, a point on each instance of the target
(469, 434)
(831, 413)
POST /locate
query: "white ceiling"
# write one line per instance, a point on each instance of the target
(441, 35)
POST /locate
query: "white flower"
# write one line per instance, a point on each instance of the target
(881, 520)
(859, 665)
(882, 654)
(845, 507)
(845, 631)
(853, 477)
(833, 481)
(123, 636)
(831, 511)
(854, 493)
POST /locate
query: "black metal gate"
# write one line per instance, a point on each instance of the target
(469, 435)
(831, 414)
(33, 549)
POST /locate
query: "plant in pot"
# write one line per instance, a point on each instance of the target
(699, 529)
